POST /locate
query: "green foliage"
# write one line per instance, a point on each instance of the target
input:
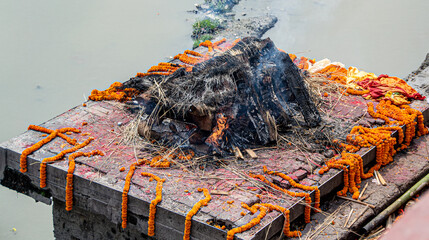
(205, 26)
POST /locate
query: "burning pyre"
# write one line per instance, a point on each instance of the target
(237, 98)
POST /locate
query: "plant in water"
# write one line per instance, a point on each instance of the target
(206, 26)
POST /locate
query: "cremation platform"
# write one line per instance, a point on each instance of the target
(98, 183)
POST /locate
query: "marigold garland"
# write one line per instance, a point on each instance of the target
(162, 69)
(211, 45)
(286, 225)
(165, 161)
(160, 162)
(262, 212)
(194, 210)
(307, 210)
(193, 53)
(60, 133)
(114, 92)
(126, 189)
(70, 171)
(381, 138)
(58, 157)
(298, 185)
(139, 74)
(152, 208)
(356, 92)
(36, 146)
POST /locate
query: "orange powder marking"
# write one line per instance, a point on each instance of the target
(84, 123)
(70, 171)
(58, 157)
(152, 208)
(194, 210)
(124, 209)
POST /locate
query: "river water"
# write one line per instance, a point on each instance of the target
(54, 53)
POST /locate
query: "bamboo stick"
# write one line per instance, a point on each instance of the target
(357, 201)
(398, 203)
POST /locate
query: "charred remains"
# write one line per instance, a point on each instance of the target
(238, 98)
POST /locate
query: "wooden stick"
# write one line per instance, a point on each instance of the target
(380, 177)
(358, 216)
(399, 202)
(251, 153)
(376, 177)
(357, 201)
(238, 153)
(216, 192)
(348, 218)
(363, 190)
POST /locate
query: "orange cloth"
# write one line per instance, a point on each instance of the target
(379, 87)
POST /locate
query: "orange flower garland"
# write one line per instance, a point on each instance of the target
(35, 147)
(162, 69)
(160, 162)
(188, 60)
(193, 53)
(127, 189)
(114, 92)
(307, 210)
(379, 137)
(152, 73)
(152, 208)
(262, 212)
(70, 171)
(356, 92)
(60, 133)
(194, 210)
(286, 225)
(211, 45)
(58, 157)
(352, 175)
(335, 73)
(298, 185)
(165, 161)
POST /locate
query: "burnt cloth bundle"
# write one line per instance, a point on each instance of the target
(254, 85)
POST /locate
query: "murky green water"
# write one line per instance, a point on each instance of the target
(381, 36)
(54, 53)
